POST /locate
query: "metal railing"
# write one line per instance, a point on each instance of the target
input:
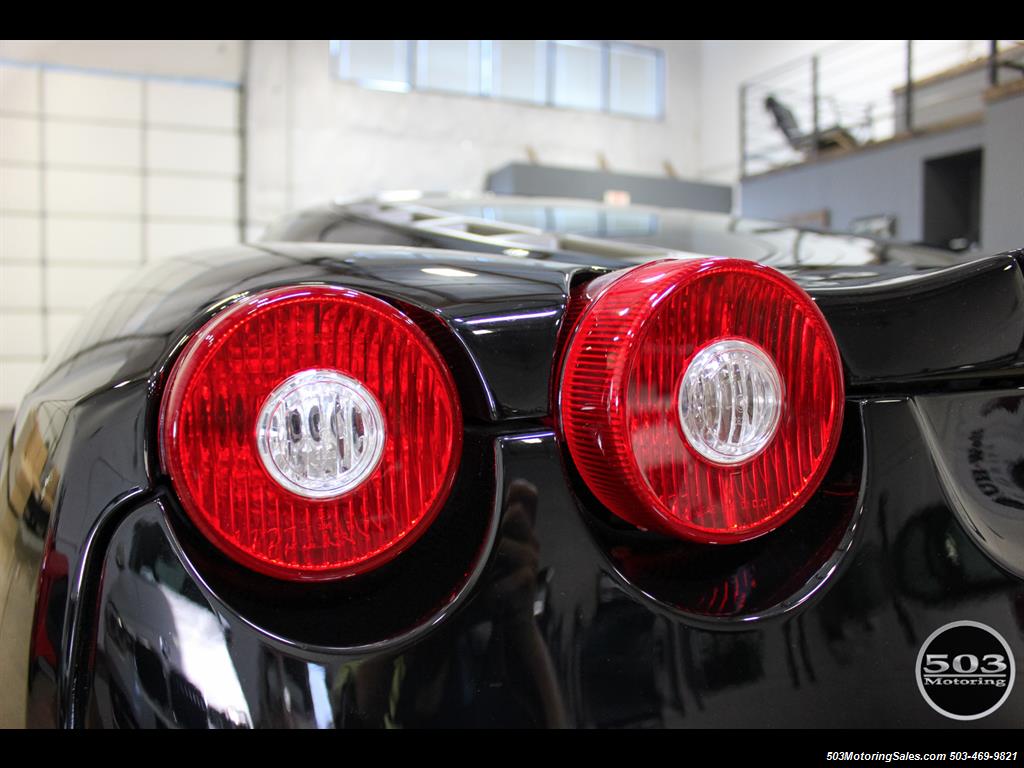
(856, 94)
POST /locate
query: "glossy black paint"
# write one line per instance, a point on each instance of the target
(555, 633)
(964, 322)
(84, 442)
(977, 445)
(744, 582)
(395, 600)
(532, 606)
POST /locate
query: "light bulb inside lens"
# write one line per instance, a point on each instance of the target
(320, 434)
(730, 401)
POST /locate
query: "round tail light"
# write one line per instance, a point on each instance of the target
(311, 432)
(701, 398)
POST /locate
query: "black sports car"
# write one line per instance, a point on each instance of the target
(441, 461)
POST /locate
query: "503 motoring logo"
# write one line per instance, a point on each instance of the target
(965, 670)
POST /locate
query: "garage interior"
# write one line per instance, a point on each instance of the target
(118, 154)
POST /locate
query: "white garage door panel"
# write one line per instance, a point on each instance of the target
(19, 89)
(198, 151)
(81, 287)
(210, 106)
(101, 97)
(21, 334)
(101, 146)
(167, 239)
(20, 286)
(19, 189)
(100, 174)
(173, 196)
(93, 193)
(75, 240)
(19, 139)
(19, 237)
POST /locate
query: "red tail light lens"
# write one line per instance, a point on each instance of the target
(702, 398)
(311, 432)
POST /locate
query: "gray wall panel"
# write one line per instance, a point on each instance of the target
(883, 180)
(545, 181)
(1002, 217)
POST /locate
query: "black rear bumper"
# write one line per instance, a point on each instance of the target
(558, 617)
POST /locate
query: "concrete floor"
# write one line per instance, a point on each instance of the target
(17, 582)
(6, 417)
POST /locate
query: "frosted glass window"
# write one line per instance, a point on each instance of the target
(448, 65)
(599, 75)
(634, 81)
(519, 70)
(376, 63)
(579, 75)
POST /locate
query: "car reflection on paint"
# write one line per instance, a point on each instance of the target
(141, 666)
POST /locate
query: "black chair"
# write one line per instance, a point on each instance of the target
(835, 137)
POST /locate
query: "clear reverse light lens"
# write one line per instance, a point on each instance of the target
(320, 434)
(730, 401)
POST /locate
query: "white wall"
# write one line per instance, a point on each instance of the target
(312, 137)
(102, 172)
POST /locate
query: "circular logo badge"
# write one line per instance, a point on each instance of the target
(965, 670)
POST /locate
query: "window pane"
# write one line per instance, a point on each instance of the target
(519, 70)
(634, 82)
(578, 77)
(376, 62)
(448, 65)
